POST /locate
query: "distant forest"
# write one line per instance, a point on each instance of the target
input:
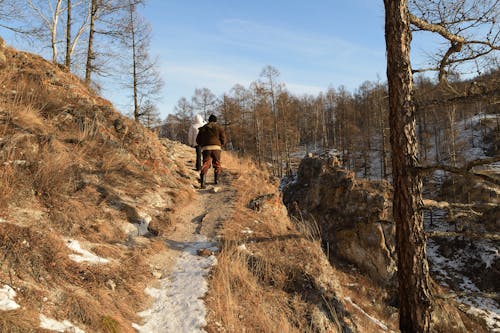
(271, 125)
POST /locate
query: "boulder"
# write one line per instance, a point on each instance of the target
(354, 216)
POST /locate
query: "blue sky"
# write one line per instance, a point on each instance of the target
(217, 44)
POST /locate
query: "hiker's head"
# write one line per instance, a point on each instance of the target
(212, 119)
(198, 119)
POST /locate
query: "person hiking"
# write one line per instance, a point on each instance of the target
(211, 137)
(192, 134)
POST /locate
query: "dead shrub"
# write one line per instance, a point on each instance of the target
(81, 308)
(18, 322)
(7, 181)
(235, 289)
(55, 173)
(28, 118)
(110, 325)
(115, 161)
(31, 255)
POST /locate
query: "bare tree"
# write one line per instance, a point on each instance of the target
(82, 25)
(150, 115)
(14, 17)
(470, 27)
(145, 80)
(101, 11)
(184, 113)
(93, 9)
(67, 59)
(49, 14)
(269, 76)
(204, 102)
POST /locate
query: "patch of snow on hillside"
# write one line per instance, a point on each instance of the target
(7, 302)
(177, 305)
(470, 133)
(83, 255)
(449, 270)
(58, 326)
(492, 319)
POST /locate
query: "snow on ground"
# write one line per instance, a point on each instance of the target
(7, 302)
(450, 271)
(83, 255)
(58, 326)
(177, 305)
(492, 319)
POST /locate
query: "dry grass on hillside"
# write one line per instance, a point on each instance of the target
(72, 167)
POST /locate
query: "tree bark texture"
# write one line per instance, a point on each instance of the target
(90, 48)
(413, 271)
(134, 63)
(67, 61)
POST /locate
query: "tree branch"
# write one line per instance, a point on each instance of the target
(465, 170)
(466, 98)
(424, 25)
(468, 234)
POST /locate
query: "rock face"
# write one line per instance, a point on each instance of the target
(354, 216)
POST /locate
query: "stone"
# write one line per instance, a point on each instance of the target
(205, 253)
(353, 215)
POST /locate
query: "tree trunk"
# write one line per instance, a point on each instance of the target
(53, 32)
(134, 63)
(90, 50)
(413, 271)
(384, 162)
(67, 61)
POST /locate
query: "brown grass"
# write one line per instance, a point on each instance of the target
(243, 301)
(28, 118)
(19, 322)
(65, 171)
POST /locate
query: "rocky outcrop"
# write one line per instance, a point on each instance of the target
(354, 216)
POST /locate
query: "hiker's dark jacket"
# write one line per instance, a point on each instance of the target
(211, 136)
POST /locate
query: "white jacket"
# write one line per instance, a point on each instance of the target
(193, 130)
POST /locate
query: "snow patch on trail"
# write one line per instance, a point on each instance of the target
(7, 302)
(177, 305)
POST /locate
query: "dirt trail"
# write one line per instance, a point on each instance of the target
(181, 270)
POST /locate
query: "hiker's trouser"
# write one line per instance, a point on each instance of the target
(211, 157)
(198, 157)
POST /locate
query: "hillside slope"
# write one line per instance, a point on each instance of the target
(77, 176)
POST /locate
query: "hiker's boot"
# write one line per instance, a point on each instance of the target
(216, 178)
(202, 181)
